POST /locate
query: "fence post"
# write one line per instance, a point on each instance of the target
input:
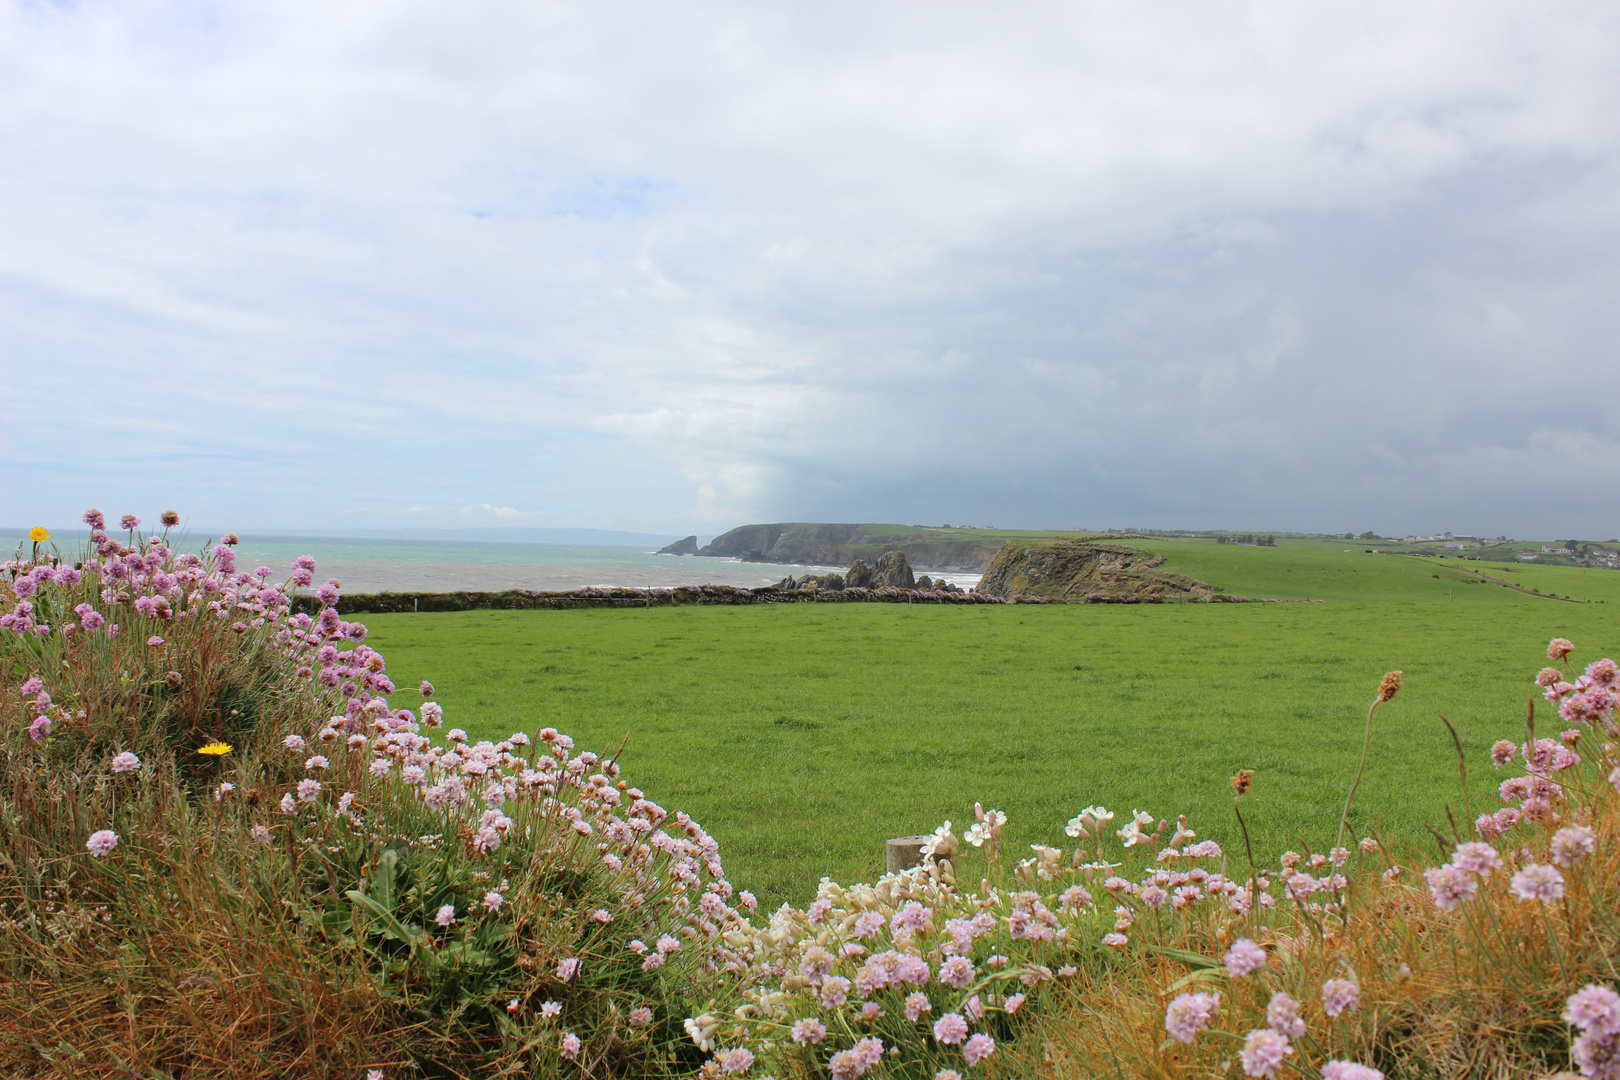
(903, 852)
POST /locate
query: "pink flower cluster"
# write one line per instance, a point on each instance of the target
(1189, 1014)
(1595, 1011)
(1458, 881)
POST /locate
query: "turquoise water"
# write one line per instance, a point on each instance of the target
(369, 565)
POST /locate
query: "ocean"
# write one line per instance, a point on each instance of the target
(364, 565)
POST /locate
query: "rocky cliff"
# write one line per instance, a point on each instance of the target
(689, 546)
(809, 543)
(1088, 572)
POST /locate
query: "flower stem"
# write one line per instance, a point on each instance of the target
(1366, 746)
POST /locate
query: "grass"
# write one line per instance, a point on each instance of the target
(802, 736)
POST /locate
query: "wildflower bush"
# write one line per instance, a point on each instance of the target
(226, 850)
(1128, 958)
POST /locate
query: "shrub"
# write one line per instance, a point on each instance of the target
(226, 852)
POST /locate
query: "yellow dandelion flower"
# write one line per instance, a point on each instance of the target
(215, 748)
(39, 534)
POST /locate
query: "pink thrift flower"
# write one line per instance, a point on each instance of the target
(260, 834)
(950, 1029)
(568, 970)
(1340, 995)
(956, 972)
(871, 1011)
(1558, 648)
(154, 641)
(317, 762)
(736, 1060)
(126, 762)
(493, 900)
(977, 1048)
(308, 790)
(1534, 882)
(1502, 750)
(1189, 1014)
(1450, 886)
(40, 728)
(1244, 958)
(1349, 1070)
(1476, 858)
(550, 1010)
(913, 970)
(834, 991)
(1263, 1052)
(1491, 826)
(916, 1005)
(947, 1074)
(809, 1031)
(101, 843)
(1282, 1015)
(374, 1074)
(570, 1045)
(973, 1008)
(1597, 1007)
(1014, 1003)
(1570, 845)
(1597, 1054)
(641, 1017)
(1117, 940)
(446, 915)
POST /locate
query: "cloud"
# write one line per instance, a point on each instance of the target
(1234, 264)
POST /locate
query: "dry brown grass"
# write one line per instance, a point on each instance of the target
(1473, 993)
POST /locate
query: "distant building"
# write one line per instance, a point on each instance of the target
(1548, 550)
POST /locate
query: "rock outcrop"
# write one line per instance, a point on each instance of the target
(891, 571)
(1081, 572)
(689, 546)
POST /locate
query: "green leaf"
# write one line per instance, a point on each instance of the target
(415, 937)
(1191, 959)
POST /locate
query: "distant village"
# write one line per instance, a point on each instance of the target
(1597, 554)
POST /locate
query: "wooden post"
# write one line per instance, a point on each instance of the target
(903, 852)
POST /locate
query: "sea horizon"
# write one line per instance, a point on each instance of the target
(366, 564)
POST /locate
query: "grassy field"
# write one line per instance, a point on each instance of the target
(803, 735)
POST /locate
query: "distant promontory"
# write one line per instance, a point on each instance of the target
(820, 544)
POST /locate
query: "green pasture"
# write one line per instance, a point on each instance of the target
(1325, 570)
(803, 735)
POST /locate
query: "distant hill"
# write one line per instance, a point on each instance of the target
(828, 544)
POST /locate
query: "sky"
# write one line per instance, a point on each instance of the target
(676, 267)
